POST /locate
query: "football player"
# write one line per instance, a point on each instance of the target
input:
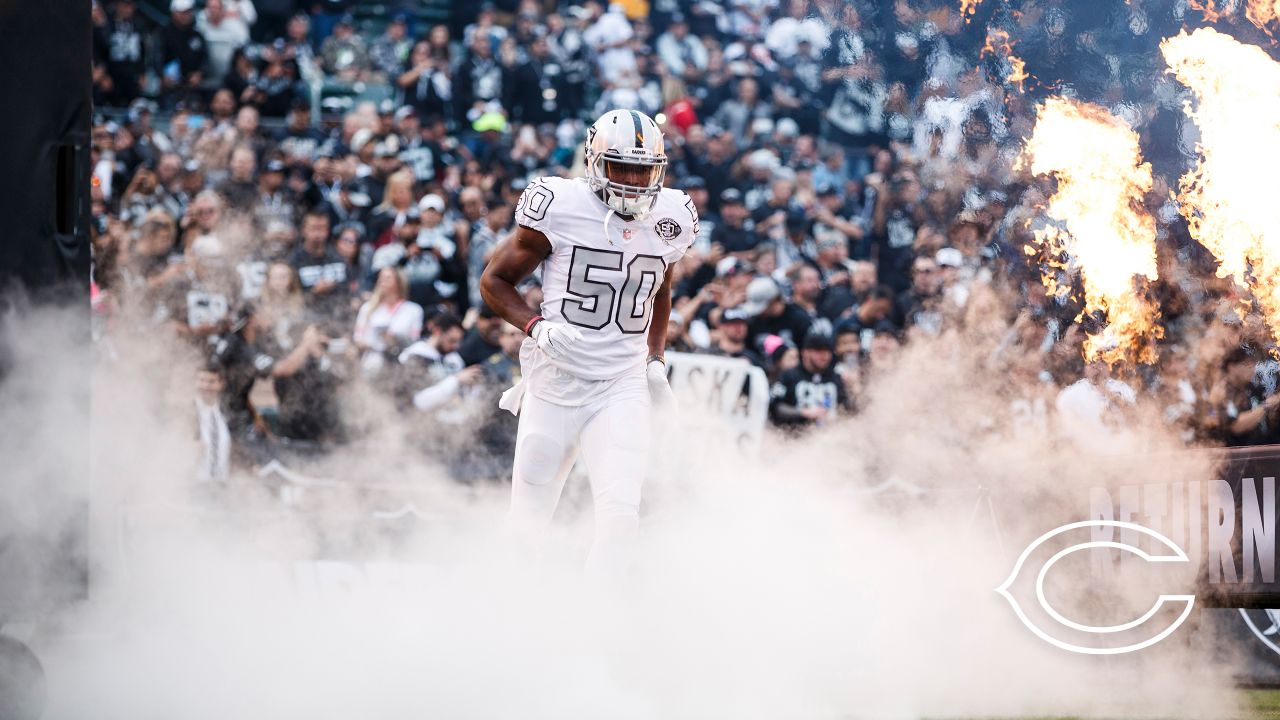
(592, 366)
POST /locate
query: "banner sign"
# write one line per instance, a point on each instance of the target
(729, 389)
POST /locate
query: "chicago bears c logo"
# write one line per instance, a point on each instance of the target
(667, 228)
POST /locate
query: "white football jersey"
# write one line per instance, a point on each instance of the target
(604, 284)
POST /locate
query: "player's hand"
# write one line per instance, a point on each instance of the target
(555, 338)
(660, 393)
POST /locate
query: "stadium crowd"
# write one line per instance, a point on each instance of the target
(304, 197)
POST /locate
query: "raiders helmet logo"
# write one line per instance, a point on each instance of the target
(667, 228)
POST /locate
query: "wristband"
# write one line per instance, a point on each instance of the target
(528, 327)
(659, 358)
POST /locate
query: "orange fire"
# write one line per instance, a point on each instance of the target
(1230, 207)
(1210, 9)
(1101, 231)
(1262, 13)
(999, 44)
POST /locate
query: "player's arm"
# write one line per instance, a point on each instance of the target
(513, 260)
(661, 317)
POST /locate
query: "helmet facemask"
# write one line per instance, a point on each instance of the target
(629, 184)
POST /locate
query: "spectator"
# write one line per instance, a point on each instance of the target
(771, 314)
(343, 54)
(387, 323)
(810, 394)
(683, 53)
(212, 433)
(434, 375)
(730, 338)
(183, 53)
(223, 34)
(125, 62)
(388, 53)
(321, 272)
(482, 340)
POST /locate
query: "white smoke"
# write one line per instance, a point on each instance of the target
(765, 587)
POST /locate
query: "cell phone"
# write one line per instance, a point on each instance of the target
(337, 346)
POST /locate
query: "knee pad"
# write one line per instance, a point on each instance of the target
(538, 459)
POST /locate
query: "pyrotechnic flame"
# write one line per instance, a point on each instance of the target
(1230, 206)
(1102, 230)
(1210, 9)
(968, 8)
(999, 44)
(1263, 13)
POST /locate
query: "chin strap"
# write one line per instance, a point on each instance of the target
(608, 215)
(613, 212)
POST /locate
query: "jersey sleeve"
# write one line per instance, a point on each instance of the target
(535, 201)
(686, 222)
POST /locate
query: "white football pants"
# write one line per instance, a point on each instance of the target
(611, 434)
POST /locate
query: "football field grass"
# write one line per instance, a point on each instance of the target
(1257, 704)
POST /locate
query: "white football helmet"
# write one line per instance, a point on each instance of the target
(626, 161)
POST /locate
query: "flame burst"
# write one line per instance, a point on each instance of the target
(969, 7)
(1262, 13)
(999, 44)
(1103, 232)
(1210, 9)
(1230, 207)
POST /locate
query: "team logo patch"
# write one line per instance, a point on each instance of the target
(667, 228)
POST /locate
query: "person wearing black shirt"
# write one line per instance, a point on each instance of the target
(772, 315)
(483, 340)
(810, 393)
(124, 52)
(736, 230)
(322, 273)
(183, 52)
(731, 340)
(298, 140)
(531, 93)
(876, 308)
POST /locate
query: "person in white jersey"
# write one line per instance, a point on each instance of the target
(592, 365)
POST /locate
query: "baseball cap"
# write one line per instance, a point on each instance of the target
(949, 257)
(693, 182)
(787, 127)
(181, 5)
(490, 121)
(412, 214)
(431, 201)
(760, 292)
(736, 314)
(731, 196)
(387, 107)
(360, 139)
(299, 103)
(818, 339)
(347, 19)
(207, 246)
(830, 237)
(797, 219)
(731, 266)
(274, 166)
(387, 148)
(404, 112)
